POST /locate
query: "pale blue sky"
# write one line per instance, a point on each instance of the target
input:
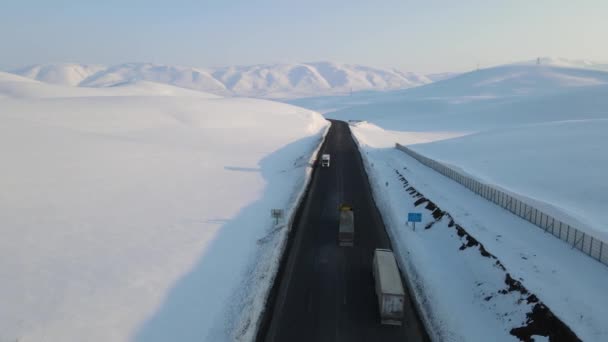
(429, 36)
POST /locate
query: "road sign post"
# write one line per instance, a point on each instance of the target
(276, 214)
(414, 217)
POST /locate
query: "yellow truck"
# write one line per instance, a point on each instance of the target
(346, 230)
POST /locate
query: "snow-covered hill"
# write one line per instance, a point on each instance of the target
(16, 86)
(140, 212)
(510, 80)
(185, 77)
(489, 98)
(271, 81)
(63, 74)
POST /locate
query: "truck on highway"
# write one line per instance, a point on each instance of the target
(346, 230)
(325, 160)
(389, 288)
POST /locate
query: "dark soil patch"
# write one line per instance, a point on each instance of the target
(460, 231)
(542, 322)
(514, 285)
(470, 242)
(435, 211)
(420, 201)
(500, 265)
(532, 299)
(484, 252)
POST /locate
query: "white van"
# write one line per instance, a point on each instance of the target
(325, 160)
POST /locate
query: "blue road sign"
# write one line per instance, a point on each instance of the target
(414, 217)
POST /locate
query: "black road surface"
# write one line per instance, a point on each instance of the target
(325, 292)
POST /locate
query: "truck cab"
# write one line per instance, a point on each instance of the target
(325, 160)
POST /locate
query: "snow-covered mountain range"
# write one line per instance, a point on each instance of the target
(271, 80)
(293, 80)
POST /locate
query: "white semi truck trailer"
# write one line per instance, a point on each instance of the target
(389, 287)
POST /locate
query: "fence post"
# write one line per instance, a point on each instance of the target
(518, 205)
(583, 245)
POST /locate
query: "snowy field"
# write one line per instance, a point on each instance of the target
(141, 212)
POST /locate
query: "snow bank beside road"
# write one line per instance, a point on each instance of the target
(460, 288)
(139, 217)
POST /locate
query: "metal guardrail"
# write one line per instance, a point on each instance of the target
(594, 247)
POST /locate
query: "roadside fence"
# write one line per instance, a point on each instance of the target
(594, 247)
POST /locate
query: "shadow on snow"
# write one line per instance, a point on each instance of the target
(216, 299)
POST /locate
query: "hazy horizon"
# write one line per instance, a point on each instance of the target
(436, 36)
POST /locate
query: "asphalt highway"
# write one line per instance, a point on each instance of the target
(325, 292)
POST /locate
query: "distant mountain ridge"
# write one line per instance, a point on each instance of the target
(63, 74)
(277, 81)
(264, 80)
